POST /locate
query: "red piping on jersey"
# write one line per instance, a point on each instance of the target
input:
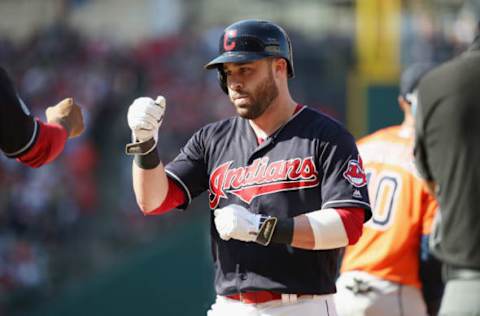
(49, 144)
(298, 107)
(352, 219)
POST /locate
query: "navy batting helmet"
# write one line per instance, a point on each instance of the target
(250, 40)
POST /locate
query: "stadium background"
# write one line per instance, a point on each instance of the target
(72, 241)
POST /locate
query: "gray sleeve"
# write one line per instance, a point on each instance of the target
(420, 150)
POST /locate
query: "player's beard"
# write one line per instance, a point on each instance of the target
(261, 98)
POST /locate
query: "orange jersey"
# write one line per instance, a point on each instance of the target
(403, 210)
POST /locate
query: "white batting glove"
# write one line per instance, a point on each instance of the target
(144, 119)
(235, 221)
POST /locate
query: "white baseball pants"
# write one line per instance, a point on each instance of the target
(316, 305)
(361, 294)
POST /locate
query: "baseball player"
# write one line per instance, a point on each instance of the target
(287, 188)
(380, 274)
(28, 139)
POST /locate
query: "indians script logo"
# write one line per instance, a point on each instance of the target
(260, 178)
(355, 173)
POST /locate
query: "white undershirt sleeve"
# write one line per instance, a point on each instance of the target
(328, 229)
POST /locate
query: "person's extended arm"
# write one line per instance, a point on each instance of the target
(30, 140)
(150, 187)
(150, 182)
(18, 128)
(328, 228)
(156, 192)
(322, 229)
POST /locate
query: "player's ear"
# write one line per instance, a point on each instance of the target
(404, 104)
(280, 66)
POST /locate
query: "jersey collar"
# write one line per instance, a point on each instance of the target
(299, 108)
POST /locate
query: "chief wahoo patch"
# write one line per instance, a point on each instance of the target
(355, 173)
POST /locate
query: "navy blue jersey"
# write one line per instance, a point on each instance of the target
(18, 129)
(311, 163)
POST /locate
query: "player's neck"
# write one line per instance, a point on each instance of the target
(407, 126)
(275, 116)
(408, 121)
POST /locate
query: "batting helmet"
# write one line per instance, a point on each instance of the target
(411, 77)
(250, 40)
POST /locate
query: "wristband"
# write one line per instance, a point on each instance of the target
(283, 233)
(148, 161)
(274, 230)
(140, 147)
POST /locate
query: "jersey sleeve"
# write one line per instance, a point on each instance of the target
(420, 149)
(188, 170)
(352, 219)
(18, 129)
(430, 207)
(47, 146)
(344, 182)
(175, 197)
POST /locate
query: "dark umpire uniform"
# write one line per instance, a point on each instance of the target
(447, 154)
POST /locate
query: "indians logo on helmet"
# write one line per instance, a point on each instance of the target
(231, 34)
(355, 173)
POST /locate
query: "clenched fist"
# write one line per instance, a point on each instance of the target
(235, 221)
(144, 119)
(68, 114)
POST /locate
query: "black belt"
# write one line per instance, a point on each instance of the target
(453, 273)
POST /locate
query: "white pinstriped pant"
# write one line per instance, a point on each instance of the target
(317, 305)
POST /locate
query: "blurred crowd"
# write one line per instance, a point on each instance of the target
(77, 215)
(62, 221)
